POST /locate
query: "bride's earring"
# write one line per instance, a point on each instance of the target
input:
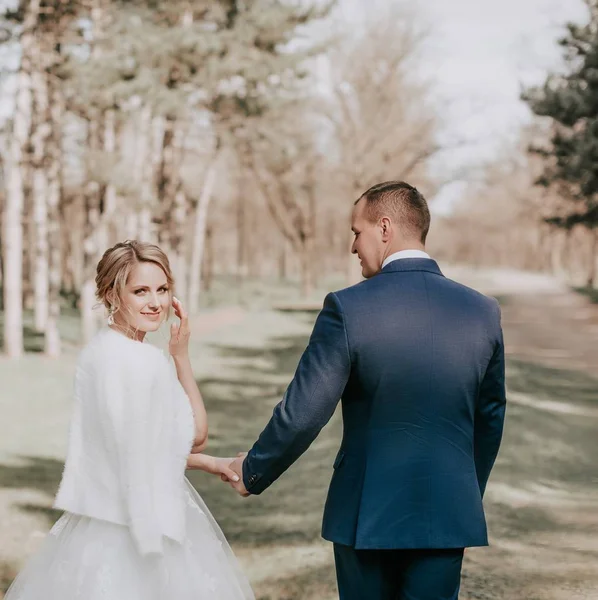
(111, 316)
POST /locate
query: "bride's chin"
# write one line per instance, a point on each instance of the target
(146, 327)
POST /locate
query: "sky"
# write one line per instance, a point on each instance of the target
(477, 56)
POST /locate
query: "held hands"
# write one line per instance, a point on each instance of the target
(212, 465)
(179, 334)
(222, 467)
(236, 466)
(230, 470)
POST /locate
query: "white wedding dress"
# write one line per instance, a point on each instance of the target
(116, 543)
(88, 559)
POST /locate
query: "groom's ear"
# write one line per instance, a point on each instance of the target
(385, 228)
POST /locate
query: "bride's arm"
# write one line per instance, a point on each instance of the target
(212, 464)
(185, 376)
(179, 349)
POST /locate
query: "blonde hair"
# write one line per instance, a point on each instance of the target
(116, 265)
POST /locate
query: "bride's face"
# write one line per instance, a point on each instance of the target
(146, 299)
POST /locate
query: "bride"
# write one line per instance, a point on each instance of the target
(134, 528)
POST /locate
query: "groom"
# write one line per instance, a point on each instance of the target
(418, 363)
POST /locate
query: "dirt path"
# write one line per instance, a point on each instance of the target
(210, 322)
(543, 498)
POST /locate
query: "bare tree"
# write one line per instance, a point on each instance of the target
(55, 229)
(41, 130)
(13, 208)
(92, 200)
(173, 201)
(383, 125)
(284, 168)
(199, 232)
(504, 221)
(382, 120)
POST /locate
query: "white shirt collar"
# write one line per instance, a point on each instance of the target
(405, 254)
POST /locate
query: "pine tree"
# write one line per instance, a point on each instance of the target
(570, 102)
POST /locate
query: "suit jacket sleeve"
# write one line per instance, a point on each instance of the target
(490, 410)
(308, 403)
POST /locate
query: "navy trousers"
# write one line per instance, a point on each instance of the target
(398, 574)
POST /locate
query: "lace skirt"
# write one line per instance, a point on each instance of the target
(89, 559)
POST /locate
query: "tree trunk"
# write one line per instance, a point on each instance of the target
(100, 133)
(168, 180)
(74, 219)
(593, 262)
(311, 219)
(41, 282)
(241, 269)
(305, 259)
(199, 235)
(352, 262)
(87, 301)
(144, 224)
(40, 135)
(106, 234)
(567, 254)
(28, 237)
(254, 231)
(90, 245)
(207, 272)
(110, 148)
(55, 241)
(177, 224)
(131, 227)
(174, 204)
(2, 200)
(139, 216)
(282, 261)
(556, 252)
(13, 255)
(13, 209)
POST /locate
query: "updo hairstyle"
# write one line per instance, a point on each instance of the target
(116, 266)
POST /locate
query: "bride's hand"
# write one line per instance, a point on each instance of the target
(222, 468)
(179, 334)
(213, 465)
(228, 479)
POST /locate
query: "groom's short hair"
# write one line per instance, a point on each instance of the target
(403, 203)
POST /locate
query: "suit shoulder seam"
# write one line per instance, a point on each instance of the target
(344, 320)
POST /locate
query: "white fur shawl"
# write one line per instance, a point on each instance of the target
(131, 432)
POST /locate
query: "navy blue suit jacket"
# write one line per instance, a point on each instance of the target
(418, 361)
